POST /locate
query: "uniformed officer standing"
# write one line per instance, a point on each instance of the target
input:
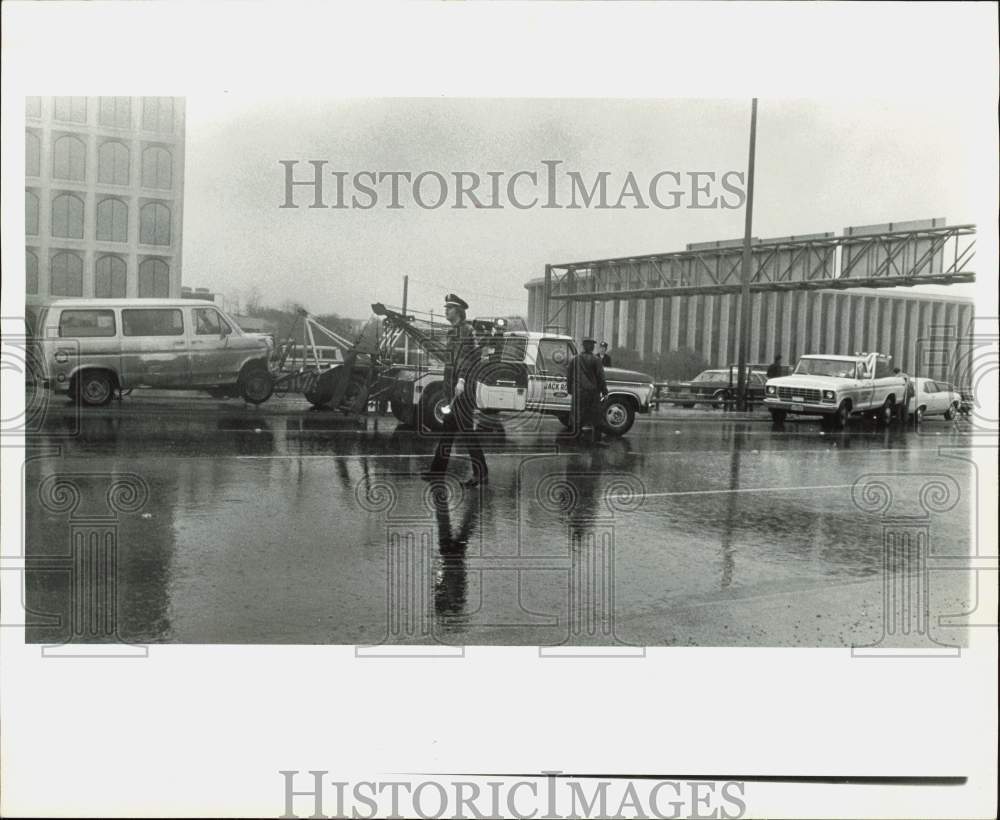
(604, 356)
(463, 359)
(585, 383)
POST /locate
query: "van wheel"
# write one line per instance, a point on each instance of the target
(256, 385)
(618, 415)
(949, 414)
(94, 388)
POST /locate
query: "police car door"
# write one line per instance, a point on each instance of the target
(502, 378)
(550, 374)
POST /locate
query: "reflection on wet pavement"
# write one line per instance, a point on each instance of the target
(271, 529)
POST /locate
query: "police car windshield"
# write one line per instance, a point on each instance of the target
(833, 368)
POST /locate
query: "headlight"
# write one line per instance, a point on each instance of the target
(770, 390)
(829, 395)
(61, 357)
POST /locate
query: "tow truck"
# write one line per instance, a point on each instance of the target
(838, 387)
(521, 372)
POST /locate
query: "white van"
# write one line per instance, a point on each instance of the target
(91, 348)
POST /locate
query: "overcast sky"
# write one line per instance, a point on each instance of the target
(821, 166)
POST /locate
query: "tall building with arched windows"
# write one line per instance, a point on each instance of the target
(103, 197)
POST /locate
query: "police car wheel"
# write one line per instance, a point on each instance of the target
(619, 416)
(431, 404)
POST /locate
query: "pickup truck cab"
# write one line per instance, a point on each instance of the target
(522, 372)
(837, 387)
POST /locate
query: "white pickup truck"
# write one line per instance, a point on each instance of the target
(522, 372)
(837, 387)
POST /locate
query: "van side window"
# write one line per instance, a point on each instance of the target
(208, 322)
(80, 323)
(153, 322)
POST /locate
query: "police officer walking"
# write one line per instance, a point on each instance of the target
(585, 383)
(462, 361)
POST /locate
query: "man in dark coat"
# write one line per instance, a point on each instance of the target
(587, 387)
(774, 369)
(463, 360)
(604, 356)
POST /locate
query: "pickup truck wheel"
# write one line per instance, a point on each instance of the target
(950, 413)
(618, 415)
(256, 385)
(93, 388)
(839, 419)
(431, 404)
(778, 416)
(887, 411)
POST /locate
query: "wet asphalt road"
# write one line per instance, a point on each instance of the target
(272, 525)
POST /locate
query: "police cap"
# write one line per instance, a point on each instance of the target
(451, 300)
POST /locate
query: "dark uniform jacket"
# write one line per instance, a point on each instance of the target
(585, 374)
(463, 360)
(605, 359)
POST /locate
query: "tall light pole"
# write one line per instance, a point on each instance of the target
(741, 364)
(406, 339)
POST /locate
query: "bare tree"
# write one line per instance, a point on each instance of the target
(252, 300)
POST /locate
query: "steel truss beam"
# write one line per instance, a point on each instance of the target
(878, 260)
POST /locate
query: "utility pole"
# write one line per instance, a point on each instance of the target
(744, 342)
(406, 339)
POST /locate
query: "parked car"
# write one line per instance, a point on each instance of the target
(713, 387)
(93, 348)
(934, 398)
